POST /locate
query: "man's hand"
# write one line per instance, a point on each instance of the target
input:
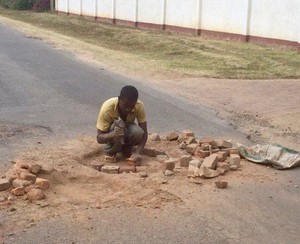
(118, 132)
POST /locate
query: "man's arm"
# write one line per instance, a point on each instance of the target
(145, 138)
(106, 136)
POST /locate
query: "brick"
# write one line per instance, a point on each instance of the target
(110, 169)
(42, 184)
(161, 158)
(234, 159)
(221, 171)
(227, 151)
(172, 136)
(201, 153)
(19, 191)
(184, 160)
(188, 133)
(168, 165)
(196, 163)
(35, 168)
(97, 165)
(221, 156)
(234, 151)
(205, 146)
(28, 176)
(205, 172)
(182, 145)
(210, 161)
(190, 140)
(110, 159)
(221, 143)
(127, 169)
(19, 182)
(169, 173)
(35, 194)
(47, 169)
(205, 140)
(224, 166)
(191, 148)
(154, 137)
(152, 152)
(4, 184)
(221, 184)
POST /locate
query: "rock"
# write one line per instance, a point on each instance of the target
(210, 161)
(35, 168)
(168, 165)
(152, 152)
(234, 159)
(234, 151)
(161, 158)
(127, 169)
(191, 148)
(110, 169)
(188, 133)
(19, 191)
(19, 182)
(221, 156)
(205, 172)
(195, 163)
(190, 140)
(221, 171)
(42, 184)
(205, 140)
(28, 177)
(172, 136)
(224, 166)
(143, 174)
(221, 184)
(169, 173)
(227, 151)
(182, 145)
(110, 159)
(97, 165)
(184, 160)
(154, 137)
(36, 194)
(4, 184)
(233, 167)
(28, 188)
(47, 169)
(201, 153)
(221, 143)
(205, 146)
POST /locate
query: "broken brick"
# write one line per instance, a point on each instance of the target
(190, 140)
(19, 182)
(221, 156)
(221, 184)
(184, 160)
(221, 143)
(42, 184)
(35, 169)
(96, 165)
(127, 169)
(152, 152)
(168, 165)
(4, 184)
(19, 191)
(188, 133)
(172, 136)
(205, 140)
(234, 159)
(210, 161)
(35, 194)
(224, 166)
(110, 169)
(205, 172)
(201, 153)
(28, 176)
(191, 148)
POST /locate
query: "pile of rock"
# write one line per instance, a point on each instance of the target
(23, 180)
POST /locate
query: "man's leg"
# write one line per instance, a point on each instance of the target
(133, 136)
(114, 146)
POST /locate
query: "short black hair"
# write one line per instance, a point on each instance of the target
(130, 93)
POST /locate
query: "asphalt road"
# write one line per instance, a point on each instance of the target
(48, 94)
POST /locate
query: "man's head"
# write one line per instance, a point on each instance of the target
(128, 98)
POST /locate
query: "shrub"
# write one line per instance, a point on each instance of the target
(17, 4)
(41, 5)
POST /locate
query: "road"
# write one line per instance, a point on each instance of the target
(48, 95)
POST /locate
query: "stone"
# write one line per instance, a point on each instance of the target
(190, 140)
(28, 188)
(205, 172)
(205, 140)
(182, 145)
(205, 146)
(221, 143)
(221, 184)
(191, 148)
(19, 182)
(97, 165)
(233, 167)
(221, 171)
(4, 184)
(47, 169)
(234, 151)
(154, 137)
(201, 153)
(152, 152)
(185, 160)
(168, 164)
(196, 163)
(143, 174)
(188, 133)
(221, 156)
(19, 191)
(227, 151)
(161, 158)
(28, 176)
(127, 169)
(234, 159)
(169, 173)
(110, 159)
(110, 169)
(21, 164)
(210, 161)
(35, 168)
(223, 165)
(42, 184)
(172, 136)
(35, 194)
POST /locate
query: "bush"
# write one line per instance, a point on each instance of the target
(41, 5)
(17, 4)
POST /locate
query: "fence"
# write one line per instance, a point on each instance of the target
(270, 21)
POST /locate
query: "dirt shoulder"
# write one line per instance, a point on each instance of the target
(267, 110)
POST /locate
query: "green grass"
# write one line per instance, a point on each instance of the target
(191, 56)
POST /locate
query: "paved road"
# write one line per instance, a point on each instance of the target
(47, 94)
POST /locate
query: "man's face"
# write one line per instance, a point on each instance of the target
(126, 106)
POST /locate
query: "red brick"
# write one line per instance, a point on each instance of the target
(127, 169)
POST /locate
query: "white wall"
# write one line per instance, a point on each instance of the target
(74, 6)
(105, 9)
(126, 10)
(62, 6)
(278, 19)
(88, 7)
(151, 11)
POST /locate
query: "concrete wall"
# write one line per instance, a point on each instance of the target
(248, 20)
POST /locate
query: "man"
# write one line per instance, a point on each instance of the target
(116, 124)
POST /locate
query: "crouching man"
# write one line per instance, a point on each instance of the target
(116, 124)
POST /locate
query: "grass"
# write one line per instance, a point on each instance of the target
(170, 53)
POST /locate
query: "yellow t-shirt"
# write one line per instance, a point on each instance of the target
(109, 112)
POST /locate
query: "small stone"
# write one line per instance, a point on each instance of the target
(221, 143)
(221, 184)
(42, 184)
(205, 140)
(4, 184)
(161, 158)
(188, 133)
(143, 174)
(47, 169)
(235, 159)
(97, 165)
(196, 163)
(190, 140)
(172, 136)
(221, 171)
(36, 194)
(110, 159)
(234, 151)
(296, 186)
(28, 188)
(35, 168)
(168, 165)
(169, 173)
(233, 167)
(18, 183)
(185, 160)
(221, 156)
(127, 169)
(152, 152)
(110, 169)
(28, 176)
(191, 148)
(182, 145)
(201, 153)
(211, 161)
(19, 191)
(154, 137)
(205, 172)
(223, 165)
